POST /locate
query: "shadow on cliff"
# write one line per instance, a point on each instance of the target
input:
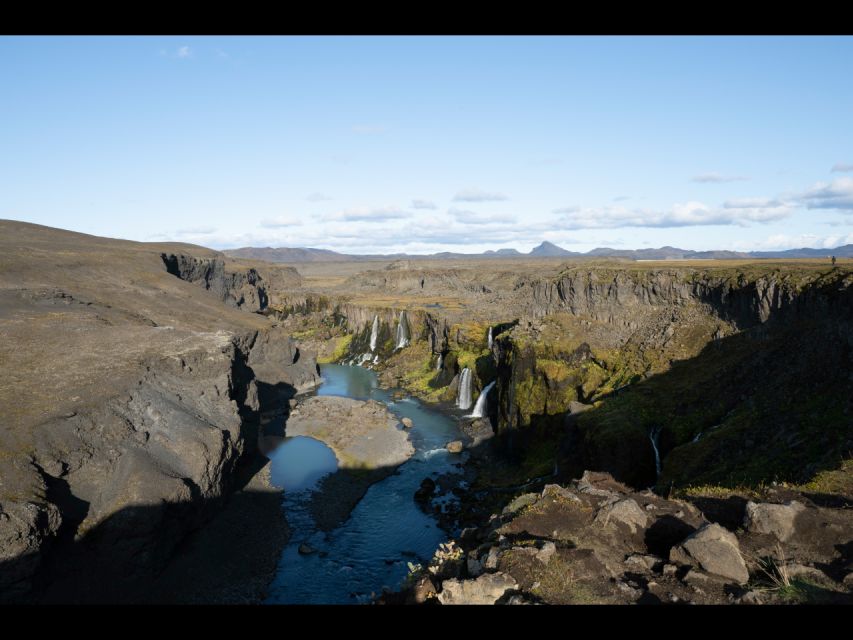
(754, 408)
(143, 554)
(772, 403)
(206, 549)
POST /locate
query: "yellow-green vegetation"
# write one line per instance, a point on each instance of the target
(342, 344)
(833, 481)
(421, 380)
(558, 584)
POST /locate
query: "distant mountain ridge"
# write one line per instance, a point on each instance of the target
(544, 250)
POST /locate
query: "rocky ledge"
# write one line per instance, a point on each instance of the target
(597, 541)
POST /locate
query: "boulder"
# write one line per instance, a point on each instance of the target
(546, 552)
(408, 423)
(715, 550)
(423, 590)
(426, 490)
(642, 563)
(455, 446)
(474, 567)
(773, 519)
(625, 511)
(306, 549)
(487, 589)
(524, 500)
(492, 557)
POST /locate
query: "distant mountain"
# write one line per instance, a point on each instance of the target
(839, 252)
(503, 252)
(286, 254)
(550, 250)
(544, 250)
(667, 253)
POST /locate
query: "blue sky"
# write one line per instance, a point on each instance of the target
(424, 144)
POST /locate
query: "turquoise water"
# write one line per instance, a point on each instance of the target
(386, 530)
(298, 463)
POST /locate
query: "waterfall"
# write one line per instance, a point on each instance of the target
(654, 434)
(490, 338)
(440, 362)
(463, 397)
(374, 334)
(480, 407)
(402, 332)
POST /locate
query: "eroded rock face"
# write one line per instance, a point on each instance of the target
(714, 549)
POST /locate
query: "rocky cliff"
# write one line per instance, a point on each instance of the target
(131, 405)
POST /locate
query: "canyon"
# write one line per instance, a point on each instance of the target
(140, 379)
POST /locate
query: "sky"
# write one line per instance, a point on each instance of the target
(425, 144)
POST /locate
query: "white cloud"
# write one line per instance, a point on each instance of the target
(369, 214)
(841, 167)
(783, 242)
(423, 204)
(196, 231)
(679, 215)
(472, 217)
(838, 194)
(716, 178)
(184, 52)
(280, 222)
(477, 195)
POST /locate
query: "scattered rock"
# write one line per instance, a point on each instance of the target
(487, 589)
(701, 581)
(546, 552)
(492, 558)
(626, 511)
(468, 536)
(408, 423)
(774, 519)
(751, 597)
(556, 491)
(424, 590)
(426, 491)
(716, 550)
(642, 562)
(524, 500)
(306, 549)
(474, 567)
(455, 446)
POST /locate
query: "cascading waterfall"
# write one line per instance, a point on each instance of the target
(490, 338)
(463, 398)
(480, 407)
(654, 434)
(402, 332)
(440, 362)
(374, 334)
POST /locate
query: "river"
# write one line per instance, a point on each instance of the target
(385, 531)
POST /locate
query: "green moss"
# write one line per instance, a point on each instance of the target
(342, 346)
